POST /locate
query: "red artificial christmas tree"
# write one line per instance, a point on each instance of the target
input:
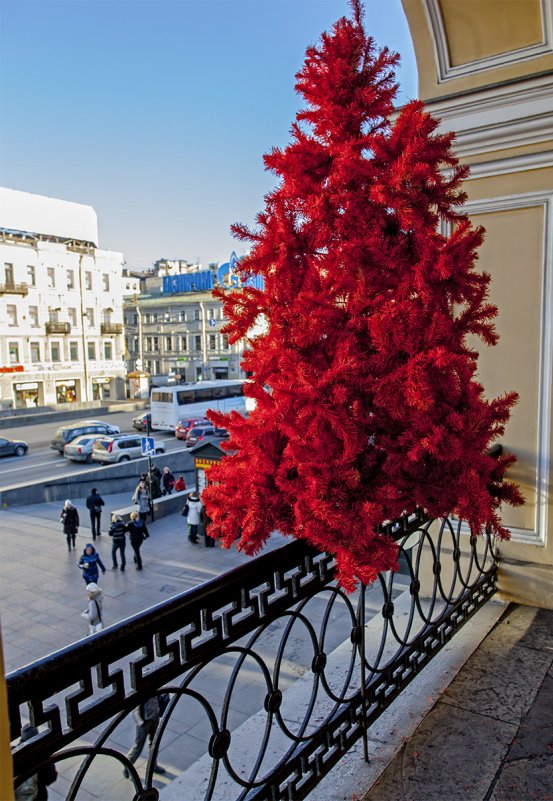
(367, 404)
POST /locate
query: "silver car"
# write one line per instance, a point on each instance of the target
(80, 449)
(122, 448)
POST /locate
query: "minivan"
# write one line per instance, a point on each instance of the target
(71, 431)
(111, 450)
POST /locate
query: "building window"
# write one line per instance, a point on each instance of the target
(148, 343)
(13, 350)
(88, 280)
(72, 314)
(54, 315)
(108, 351)
(33, 316)
(224, 337)
(155, 344)
(168, 343)
(51, 277)
(74, 351)
(91, 349)
(154, 318)
(146, 318)
(211, 314)
(12, 314)
(105, 281)
(8, 273)
(35, 352)
(212, 342)
(135, 319)
(90, 317)
(31, 275)
(196, 314)
(71, 279)
(182, 317)
(183, 343)
(55, 351)
(197, 342)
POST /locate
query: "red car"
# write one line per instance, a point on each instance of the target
(183, 426)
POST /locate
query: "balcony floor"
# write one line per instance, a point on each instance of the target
(490, 735)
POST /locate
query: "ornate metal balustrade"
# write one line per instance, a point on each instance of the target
(312, 667)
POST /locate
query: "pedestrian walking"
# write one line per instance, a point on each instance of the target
(118, 530)
(91, 564)
(155, 486)
(138, 532)
(35, 788)
(93, 612)
(180, 484)
(147, 720)
(141, 496)
(94, 504)
(194, 513)
(70, 519)
(167, 481)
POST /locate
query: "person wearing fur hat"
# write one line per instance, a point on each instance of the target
(70, 519)
(90, 563)
(93, 612)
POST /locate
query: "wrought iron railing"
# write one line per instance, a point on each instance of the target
(312, 666)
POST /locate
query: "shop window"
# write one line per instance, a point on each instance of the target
(212, 342)
(91, 350)
(51, 277)
(55, 351)
(72, 314)
(33, 316)
(31, 275)
(74, 351)
(71, 279)
(35, 352)
(13, 349)
(105, 282)
(225, 341)
(108, 351)
(12, 314)
(197, 343)
(88, 280)
(90, 317)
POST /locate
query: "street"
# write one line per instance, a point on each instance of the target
(41, 462)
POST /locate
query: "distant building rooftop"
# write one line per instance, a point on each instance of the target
(47, 216)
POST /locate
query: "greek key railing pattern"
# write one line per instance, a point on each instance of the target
(314, 666)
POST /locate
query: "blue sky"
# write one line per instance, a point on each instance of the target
(158, 112)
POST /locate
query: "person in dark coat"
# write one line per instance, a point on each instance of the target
(91, 564)
(137, 534)
(167, 481)
(70, 519)
(155, 487)
(94, 504)
(118, 530)
(46, 774)
(147, 718)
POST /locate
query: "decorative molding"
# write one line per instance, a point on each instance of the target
(530, 161)
(448, 72)
(538, 535)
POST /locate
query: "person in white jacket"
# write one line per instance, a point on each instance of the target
(194, 513)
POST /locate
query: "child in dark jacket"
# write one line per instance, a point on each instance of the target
(90, 562)
(117, 530)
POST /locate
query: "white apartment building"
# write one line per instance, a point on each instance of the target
(61, 319)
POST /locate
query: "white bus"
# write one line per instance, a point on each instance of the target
(168, 405)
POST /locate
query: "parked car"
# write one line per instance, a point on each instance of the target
(197, 433)
(13, 447)
(71, 431)
(122, 448)
(143, 422)
(80, 449)
(183, 426)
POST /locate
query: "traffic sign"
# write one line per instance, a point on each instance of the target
(148, 446)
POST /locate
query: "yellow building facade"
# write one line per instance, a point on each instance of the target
(486, 70)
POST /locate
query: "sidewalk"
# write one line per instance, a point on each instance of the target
(42, 592)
